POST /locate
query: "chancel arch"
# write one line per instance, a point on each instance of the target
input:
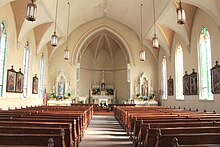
(104, 51)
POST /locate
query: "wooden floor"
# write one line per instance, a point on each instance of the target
(105, 131)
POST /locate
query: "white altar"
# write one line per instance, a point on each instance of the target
(102, 93)
(107, 99)
(59, 103)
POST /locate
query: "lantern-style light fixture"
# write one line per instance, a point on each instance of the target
(181, 15)
(155, 41)
(142, 52)
(31, 11)
(66, 51)
(54, 37)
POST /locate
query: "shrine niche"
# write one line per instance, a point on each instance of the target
(144, 86)
(61, 87)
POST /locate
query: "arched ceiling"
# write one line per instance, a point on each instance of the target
(126, 12)
(104, 41)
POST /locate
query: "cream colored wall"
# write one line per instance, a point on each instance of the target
(86, 73)
(115, 72)
(120, 76)
(57, 64)
(137, 67)
(191, 61)
(15, 52)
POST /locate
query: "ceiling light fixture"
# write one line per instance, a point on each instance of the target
(54, 37)
(155, 41)
(142, 52)
(31, 11)
(66, 51)
(181, 15)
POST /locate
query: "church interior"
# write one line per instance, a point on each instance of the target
(107, 53)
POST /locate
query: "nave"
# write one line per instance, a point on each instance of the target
(105, 131)
(78, 126)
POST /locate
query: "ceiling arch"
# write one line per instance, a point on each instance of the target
(110, 34)
(83, 12)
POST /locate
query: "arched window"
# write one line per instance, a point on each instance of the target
(41, 76)
(3, 37)
(179, 72)
(164, 78)
(26, 68)
(205, 65)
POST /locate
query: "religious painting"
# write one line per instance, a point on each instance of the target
(19, 82)
(102, 86)
(215, 78)
(35, 85)
(170, 86)
(186, 84)
(11, 79)
(193, 83)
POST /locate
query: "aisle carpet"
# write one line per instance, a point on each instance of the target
(105, 131)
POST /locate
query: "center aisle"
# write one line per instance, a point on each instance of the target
(105, 131)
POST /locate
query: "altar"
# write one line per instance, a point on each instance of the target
(102, 93)
(103, 99)
(59, 103)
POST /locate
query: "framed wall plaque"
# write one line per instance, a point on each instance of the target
(170, 86)
(19, 81)
(215, 78)
(186, 84)
(35, 85)
(11, 79)
(193, 83)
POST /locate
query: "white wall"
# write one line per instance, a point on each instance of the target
(191, 61)
(14, 57)
(119, 77)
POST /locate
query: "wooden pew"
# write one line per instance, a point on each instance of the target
(131, 120)
(39, 130)
(165, 140)
(76, 116)
(49, 140)
(141, 125)
(175, 143)
(152, 133)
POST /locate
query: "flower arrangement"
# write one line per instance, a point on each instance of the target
(151, 96)
(110, 91)
(53, 95)
(95, 91)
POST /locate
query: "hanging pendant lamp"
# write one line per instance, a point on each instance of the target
(66, 51)
(155, 41)
(142, 52)
(54, 37)
(31, 11)
(181, 15)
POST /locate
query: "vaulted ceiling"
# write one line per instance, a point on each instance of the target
(126, 12)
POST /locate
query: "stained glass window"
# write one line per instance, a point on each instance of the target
(179, 72)
(26, 68)
(41, 76)
(164, 79)
(3, 37)
(205, 65)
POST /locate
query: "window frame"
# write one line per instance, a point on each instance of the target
(178, 76)
(208, 73)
